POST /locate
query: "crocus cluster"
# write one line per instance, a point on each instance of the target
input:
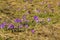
(22, 24)
(17, 20)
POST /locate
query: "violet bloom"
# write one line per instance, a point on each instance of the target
(26, 26)
(24, 17)
(48, 19)
(11, 26)
(36, 18)
(37, 10)
(17, 20)
(32, 30)
(20, 26)
(2, 25)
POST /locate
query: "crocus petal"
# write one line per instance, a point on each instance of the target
(26, 26)
(17, 20)
(2, 25)
(24, 17)
(35, 18)
(48, 19)
(32, 30)
(20, 26)
(37, 10)
(11, 26)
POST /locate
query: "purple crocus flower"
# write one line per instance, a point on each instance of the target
(17, 20)
(37, 10)
(11, 26)
(24, 17)
(36, 18)
(20, 26)
(32, 30)
(48, 19)
(26, 26)
(2, 25)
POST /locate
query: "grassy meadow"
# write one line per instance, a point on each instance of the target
(29, 19)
